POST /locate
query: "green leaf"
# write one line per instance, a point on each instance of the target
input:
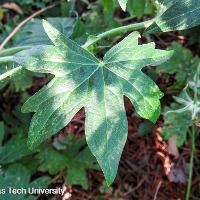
(34, 34)
(17, 176)
(14, 150)
(22, 79)
(183, 14)
(82, 80)
(189, 104)
(108, 5)
(78, 29)
(123, 3)
(176, 124)
(180, 116)
(166, 3)
(182, 64)
(51, 161)
(10, 70)
(76, 173)
(16, 121)
(136, 8)
(75, 158)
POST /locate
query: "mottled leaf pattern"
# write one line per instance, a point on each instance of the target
(82, 80)
(183, 14)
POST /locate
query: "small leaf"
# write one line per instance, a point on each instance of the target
(76, 159)
(176, 124)
(183, 14)
(8, 152)
(51, 161)
(182, 64)
(17, 176)
(136, 8)
(78, 29)
(82, 80)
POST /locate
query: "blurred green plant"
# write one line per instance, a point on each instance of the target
(182, 64)
(183, 120)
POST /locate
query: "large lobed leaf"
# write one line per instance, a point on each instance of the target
(181, 15)
(82, 80)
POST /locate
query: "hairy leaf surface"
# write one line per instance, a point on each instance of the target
(82, 80)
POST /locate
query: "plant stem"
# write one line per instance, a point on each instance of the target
(118, 31)
(191, 164)
(13, 50)
(6, 59)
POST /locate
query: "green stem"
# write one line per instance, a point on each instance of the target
(13, 50)
(191, 164)
(118, 31)
(6, 59)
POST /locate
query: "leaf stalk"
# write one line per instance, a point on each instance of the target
(118, 31)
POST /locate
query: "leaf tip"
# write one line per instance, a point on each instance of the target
(123, 8)
(45, 25)
(44, 22)
(109, 180)
(155, 116)
(24, 108)
(30, 145)
(122, 4)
